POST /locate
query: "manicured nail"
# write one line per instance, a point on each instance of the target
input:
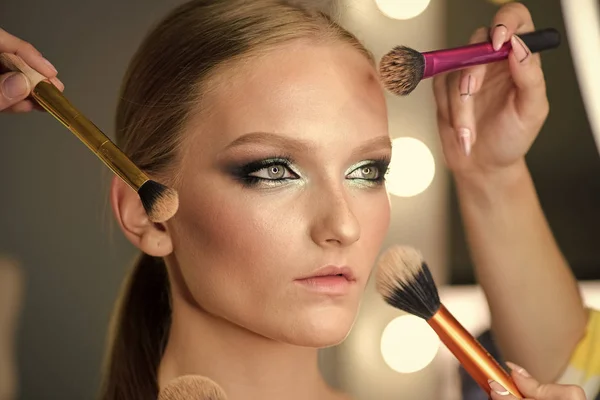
(467, 83)
(520, 49)
(520, 370)
(464, 137)
(498, 388)
(58, 83)
(48, 63)
(15, 86)
(499, 36)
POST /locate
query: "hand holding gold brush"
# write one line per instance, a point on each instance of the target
(159, 201)
(405, 282)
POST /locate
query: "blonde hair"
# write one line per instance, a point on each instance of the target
(165, 79)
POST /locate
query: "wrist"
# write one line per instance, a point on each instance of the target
(493, 183)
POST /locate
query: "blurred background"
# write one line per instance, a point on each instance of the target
(62, 259)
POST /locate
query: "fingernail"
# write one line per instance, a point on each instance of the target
(521, 51)
(57, 82)
(520, 370)
(464, 137)
(498, 388)
(499, 36)
(467, 83)
(48, 63)
(15, 86)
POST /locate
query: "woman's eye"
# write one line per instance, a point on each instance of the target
(367, 172)
(273, 172)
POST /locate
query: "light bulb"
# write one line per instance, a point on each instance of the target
(402, 9)
(412, 167)
(408, 344)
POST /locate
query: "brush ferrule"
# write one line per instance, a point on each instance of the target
(470, 353)
(53, 101)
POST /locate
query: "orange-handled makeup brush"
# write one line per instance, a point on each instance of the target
(160, 202)
(405, 282)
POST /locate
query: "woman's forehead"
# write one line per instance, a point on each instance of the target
(296, 90)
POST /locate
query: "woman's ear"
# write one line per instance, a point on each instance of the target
(151, 238)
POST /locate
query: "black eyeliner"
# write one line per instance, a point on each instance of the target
(243, 172)
(382, 165)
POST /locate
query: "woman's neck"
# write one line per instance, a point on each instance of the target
(247, 366)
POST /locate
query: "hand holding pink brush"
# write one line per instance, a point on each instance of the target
(403, 68)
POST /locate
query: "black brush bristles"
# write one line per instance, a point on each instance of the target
(160, 202)
(406, 283)
(192, 387)
(401, 70)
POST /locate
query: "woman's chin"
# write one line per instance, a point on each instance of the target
(321, 332)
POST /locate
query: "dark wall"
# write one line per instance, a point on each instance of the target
(53, 210)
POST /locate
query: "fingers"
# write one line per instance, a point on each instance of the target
(58, 83)
(532, 389)
(449, 141)
(499, 392)
(457, 95)
(528, 77)
(22, 107)
(477, 72)
(510, 19)
(461, 107)
(453, 93)
(448, 136)
(531, 100)
(29, 54)
(441, 96)
(14, 88)
(462, 110)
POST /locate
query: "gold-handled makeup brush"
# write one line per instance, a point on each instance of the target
(160, 202)
(405, 282)
(192, 387)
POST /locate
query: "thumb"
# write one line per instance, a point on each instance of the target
(14, 87)
(532, 389)
(527, 74)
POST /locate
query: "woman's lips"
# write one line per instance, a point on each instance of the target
(331, 280)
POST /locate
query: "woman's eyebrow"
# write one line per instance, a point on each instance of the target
(272, 139)
(297, 145)
(377, 143)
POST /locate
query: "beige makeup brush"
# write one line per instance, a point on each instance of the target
(192, 387)
(160, 202)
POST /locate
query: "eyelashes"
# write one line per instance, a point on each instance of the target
(370, 171)
(270, 171)
(276, 171)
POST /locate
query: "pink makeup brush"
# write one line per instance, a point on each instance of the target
(403, 68)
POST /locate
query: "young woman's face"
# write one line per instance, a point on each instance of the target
(282, 181)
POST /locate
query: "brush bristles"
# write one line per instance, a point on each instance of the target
(401, 70)
(405, 282)
(192, 387)
(160, 202)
